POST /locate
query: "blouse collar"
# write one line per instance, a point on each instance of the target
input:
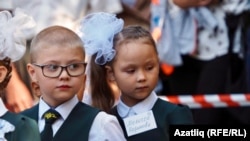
(143, 106)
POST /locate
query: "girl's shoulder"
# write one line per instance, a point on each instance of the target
(173, 113)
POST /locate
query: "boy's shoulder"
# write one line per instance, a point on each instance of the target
(85, 108)
(25, 127)
(80, 108)
(19, 120)
(31, 112)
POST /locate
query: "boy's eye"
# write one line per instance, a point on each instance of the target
(73, 66)
(51, 67)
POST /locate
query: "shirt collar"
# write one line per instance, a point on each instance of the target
(3, 109)
(143, 106)
(64, 109)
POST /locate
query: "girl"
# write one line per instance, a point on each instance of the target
(129, 58)
(13, 127)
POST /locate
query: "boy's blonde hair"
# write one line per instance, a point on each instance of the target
(54, 36)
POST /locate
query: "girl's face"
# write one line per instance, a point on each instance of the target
(136, 71)
(56, 91)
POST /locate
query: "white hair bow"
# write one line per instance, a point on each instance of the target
(98, 30)
(13, 33)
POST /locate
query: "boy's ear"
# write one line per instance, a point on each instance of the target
(32, 72)
(3, 73)
(110, 73)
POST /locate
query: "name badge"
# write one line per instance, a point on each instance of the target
(140, 123)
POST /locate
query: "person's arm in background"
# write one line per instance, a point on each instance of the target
(18, 96)
(193, 3)
(139, 10)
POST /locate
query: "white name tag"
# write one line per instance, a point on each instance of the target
(140, 123)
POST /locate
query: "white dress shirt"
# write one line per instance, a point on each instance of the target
(105, 127)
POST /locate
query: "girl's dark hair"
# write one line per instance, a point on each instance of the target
(103, 96)
(132, 33)
(101, 92)
(6, 62)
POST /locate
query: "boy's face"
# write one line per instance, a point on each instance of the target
(56, 91)
(135, 71)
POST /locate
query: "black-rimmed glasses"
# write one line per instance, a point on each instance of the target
(54, 71)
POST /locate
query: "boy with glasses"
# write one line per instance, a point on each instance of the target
(58, 67)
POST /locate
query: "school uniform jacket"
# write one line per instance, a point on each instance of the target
(76, 127)
(26, 129)
(165, 114)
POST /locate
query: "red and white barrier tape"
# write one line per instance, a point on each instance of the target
(210, 100)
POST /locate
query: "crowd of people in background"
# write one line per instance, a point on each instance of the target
(204, 44)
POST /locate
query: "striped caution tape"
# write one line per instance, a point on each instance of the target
(210, 100)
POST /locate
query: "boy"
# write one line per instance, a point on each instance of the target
(57, 66)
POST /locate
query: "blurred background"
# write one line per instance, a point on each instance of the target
(203, 45)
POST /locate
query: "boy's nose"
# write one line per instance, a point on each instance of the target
(64, 73)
